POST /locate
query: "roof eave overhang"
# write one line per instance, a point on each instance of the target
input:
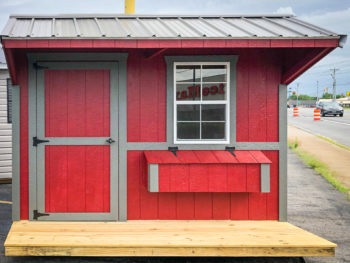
(251, 42)
(319, 47)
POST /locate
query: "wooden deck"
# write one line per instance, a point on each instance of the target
(164, 238)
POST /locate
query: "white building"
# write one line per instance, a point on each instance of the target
(5, 123)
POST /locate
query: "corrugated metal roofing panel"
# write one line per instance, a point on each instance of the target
(164, 26)
(88, 27)
(206, 28)
(181, 29)
(134, 28)
(65, 28)
(229, 29)
(250, 27)
(158, 28)
(111, 27)
(21, 28)
(302, 29)
(273, 28)
(41, 28)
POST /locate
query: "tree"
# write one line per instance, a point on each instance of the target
(330, 96)
(301, 97)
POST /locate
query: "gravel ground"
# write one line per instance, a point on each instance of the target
(313, 205)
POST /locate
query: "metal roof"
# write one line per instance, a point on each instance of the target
(161, 26)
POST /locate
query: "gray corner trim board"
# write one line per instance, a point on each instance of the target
(31, 133)
(116, 62)
(153, 178)
(122, 95)
(16, 182)
(170, 60)
(282, 160)
(265, 177)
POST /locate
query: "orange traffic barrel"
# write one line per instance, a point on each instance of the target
(317, 115)
(295, 112)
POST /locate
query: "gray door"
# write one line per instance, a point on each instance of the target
(76, 141)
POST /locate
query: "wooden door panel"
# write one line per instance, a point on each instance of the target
(77, 103)
(77, 179)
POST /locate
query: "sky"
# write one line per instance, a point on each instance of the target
(330, 14)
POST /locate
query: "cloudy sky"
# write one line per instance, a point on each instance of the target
(331, 14)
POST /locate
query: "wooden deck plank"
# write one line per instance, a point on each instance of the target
(164, 238)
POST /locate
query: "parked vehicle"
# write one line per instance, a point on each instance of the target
(330, 108)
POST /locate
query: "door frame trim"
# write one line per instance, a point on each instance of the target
(121, 58)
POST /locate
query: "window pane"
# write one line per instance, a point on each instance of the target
(188, 112)
(213, 112)
(188, 92)
(188, 130)
(188, 73)
(214, 73)
(213, 130)
(214, 91)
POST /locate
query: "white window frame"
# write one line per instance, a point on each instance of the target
(203, 102)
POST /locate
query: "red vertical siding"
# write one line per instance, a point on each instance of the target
(24, 169)
(222, 205)
(237, 206)
(146, 98)
(272, 197)
(257, 96)
(258, 77)
(272, 96)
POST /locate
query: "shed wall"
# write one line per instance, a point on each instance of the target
(258, 76)
(5, 129)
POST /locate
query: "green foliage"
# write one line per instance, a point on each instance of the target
(302, 97)
(330, 96)
(327, 95)
(293, 144)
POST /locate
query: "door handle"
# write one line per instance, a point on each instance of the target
(110, 140)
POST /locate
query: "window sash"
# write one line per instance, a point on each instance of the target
(202, 102)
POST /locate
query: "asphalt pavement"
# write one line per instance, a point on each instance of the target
(316, 206)
(335, 128)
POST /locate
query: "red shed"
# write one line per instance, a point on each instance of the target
(134, 117)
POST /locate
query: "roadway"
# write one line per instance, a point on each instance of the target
(335, 128)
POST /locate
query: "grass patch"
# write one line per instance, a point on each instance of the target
(333, 142)
(320, 167)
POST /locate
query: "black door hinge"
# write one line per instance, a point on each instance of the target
(231, 149)
(37, 66)
(173, 149)
(37, 214)
(37, 141)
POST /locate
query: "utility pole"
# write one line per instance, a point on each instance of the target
(298, 94)
(317, 92)
(334, 83)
